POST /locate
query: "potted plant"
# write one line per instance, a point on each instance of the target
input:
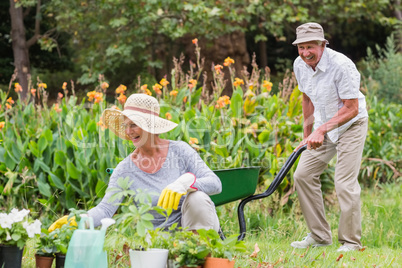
(45, 250)
(186, 249)
(222, 251)
(134, 223)
(15, 229)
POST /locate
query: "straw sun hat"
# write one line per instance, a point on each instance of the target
(143, 110)
(310, 31)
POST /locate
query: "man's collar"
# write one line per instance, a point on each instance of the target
(323, 63)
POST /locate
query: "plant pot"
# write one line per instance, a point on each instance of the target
(155, 258)
(218, 263)
(10, 256)
(60, 260)
(43, 261)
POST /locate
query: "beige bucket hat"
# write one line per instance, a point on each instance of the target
(310, 31)
(143, 110)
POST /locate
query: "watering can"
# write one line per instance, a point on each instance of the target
(85, 249)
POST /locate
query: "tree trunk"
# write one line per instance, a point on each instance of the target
(20, 48)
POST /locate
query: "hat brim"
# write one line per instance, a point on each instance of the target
(113, 119)
(308, 39)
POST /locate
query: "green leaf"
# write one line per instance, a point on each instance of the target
(44, 187)
(39, 163)
(56, 181)
(72, 170)
(236, 104)
(33, 146)
(60, 158)
(16, 151)
(9, 161)
(48, 135)
(42, 144)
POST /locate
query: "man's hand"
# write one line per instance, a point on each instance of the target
(313, 141)
(171, 195)
(60, 222)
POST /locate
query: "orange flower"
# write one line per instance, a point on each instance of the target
(192, 84)
(60, 95)
(218, 68)
(115, 107)
(2, 124)
(104, 85)
(42, 85)
(164, 82)
(238, 82)
(8, 106)
(193, 141)
(33, 91)
(91, 95)
(195, 41)
(168, 116)
(157, 89)
(122, 98)
(100, 123)
(57, 108)
(228, 61)
(95, 96)
(64, 86)
(185, 99)
(120, 89)
(222, 102)
(144, 87)
(173, 93)
(267, 85)
(17, 87)
(10, 100)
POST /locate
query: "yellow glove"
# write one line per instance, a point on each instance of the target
(170, 196)
(60, 222)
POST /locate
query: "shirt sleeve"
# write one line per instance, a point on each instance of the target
(297, 71)
(347, 80)
(206, 180)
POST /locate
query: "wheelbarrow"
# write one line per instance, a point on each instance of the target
(241, 183)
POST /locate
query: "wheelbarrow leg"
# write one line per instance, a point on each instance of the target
(271, 189)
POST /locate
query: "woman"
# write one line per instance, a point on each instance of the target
(171, 168)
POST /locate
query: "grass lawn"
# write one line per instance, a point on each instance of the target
(382, 234)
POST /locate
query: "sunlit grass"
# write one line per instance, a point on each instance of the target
(382, 234)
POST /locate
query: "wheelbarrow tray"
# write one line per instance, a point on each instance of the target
(237, 183)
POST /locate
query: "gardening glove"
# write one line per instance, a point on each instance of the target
(170, 196)
(60, 222)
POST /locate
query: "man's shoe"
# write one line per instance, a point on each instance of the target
(308, 241)
(345, 248)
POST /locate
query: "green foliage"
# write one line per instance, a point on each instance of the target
(46, 246)
(383, 74)
(221, 248)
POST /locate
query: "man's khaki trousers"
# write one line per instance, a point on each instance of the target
(349, 149)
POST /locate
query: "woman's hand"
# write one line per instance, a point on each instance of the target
(171, 195)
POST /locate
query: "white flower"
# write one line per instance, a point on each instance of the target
(33, 228)
(6, 221)
(18, 216)
(8, 238)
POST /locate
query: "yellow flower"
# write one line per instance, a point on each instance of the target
(42, 85)
(120, 89)
(168, 116)
(148, 92)
(164, 82)
(57, 108)
(157, 89)
(222, 101)
(218, 68)
(195, 41)
(173, 93)
(228, 61)
(192, 84)
(2, 124)
(104, 85)
(10, 100)
(122, 98)
(33, 91)
(267, 85)
(238, 82)
(64, 86)
(193, 141)
(17, 87)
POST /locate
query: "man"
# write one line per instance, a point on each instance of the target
(335, 123)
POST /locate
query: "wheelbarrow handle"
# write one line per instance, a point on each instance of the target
(272, 187)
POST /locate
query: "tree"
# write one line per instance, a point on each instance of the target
(19, 10)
